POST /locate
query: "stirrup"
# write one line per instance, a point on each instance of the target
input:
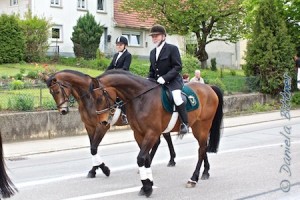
(124, 119)
(184, 129)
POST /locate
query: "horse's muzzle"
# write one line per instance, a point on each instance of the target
(104, 123)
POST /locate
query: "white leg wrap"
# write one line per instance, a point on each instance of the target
(97, 160)
(143, 173)
(149, 173)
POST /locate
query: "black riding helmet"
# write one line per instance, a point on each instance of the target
(122, 39)
(158, 29)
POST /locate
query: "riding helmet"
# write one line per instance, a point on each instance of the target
(123, 40)
(158, 29)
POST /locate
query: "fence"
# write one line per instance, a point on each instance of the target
(37, 97)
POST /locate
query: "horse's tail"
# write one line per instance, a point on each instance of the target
(7, 188)
(215, 130)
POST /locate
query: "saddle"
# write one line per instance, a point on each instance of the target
(188, 95)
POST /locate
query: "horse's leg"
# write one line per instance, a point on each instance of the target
(97, 161)
(144, 161)
(205, 174)
(201, 134)
(154, 149)
(168, 138)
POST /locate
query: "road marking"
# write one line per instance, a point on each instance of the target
(132, 166)
(107, 194)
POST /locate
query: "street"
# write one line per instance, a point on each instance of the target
(255, 161)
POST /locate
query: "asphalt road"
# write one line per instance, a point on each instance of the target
(257, 161)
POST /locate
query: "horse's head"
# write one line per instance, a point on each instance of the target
(60, 91)
(104, 98)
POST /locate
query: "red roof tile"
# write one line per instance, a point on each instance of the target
(130, 20)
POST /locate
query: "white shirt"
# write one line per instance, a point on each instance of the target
(119, 55)
(158, 49)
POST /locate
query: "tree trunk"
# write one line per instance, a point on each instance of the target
(202, 55)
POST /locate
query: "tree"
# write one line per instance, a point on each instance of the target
(209, 20)
(86, 36)
(36, 32)
(11, 39)
(269, 50)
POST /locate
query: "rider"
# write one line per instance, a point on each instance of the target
(165, 68)
(121, 60)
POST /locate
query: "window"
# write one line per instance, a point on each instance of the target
(56, 3)
(81, 4)
(134, 39)
(100, 5)
(56, 33)
(13, 2)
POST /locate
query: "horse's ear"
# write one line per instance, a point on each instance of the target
(93, 85)
(43, 77)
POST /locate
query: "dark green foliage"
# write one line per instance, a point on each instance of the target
(189, 64)
(19, 76)
(296, 98)
(269, 50)
(11, 39)
(21, 102)
(33, 74)
(36, 32)
(213, 62)
(86, 36)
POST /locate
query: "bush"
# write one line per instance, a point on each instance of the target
(21, 102)
(16, 85)
(49, 104)
(19, 76)
(296, 98)
(4, 76)
(189, 64)
(233, 72)
(36, 33)
(213, 63)
(33, 74)
(218, 82)
(11, 39)
(86, 36)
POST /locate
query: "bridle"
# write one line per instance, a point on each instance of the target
(54, 93)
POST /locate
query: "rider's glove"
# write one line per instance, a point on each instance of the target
(161, 80)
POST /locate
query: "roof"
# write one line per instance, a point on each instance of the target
(130, 20)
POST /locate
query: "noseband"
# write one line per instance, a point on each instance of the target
(61, 86)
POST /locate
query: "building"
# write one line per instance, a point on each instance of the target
(63, 14)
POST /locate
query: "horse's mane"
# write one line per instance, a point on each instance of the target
(48, 82)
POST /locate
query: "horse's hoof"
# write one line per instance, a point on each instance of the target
(171, 163)
(191, 184)
(105, 170)
(205, 176)
(91, 175)
(146, 193)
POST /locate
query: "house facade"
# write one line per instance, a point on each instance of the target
(63, 15)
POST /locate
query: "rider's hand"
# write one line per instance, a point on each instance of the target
(161, 80)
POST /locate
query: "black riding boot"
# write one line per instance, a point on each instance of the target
(123, 116)
(184, 127)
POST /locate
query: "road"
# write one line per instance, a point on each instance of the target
(247, 166)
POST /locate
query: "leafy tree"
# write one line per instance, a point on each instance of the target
(209, 20)
(269, 50)
(86, 36)
(11, 39)
(36, 32)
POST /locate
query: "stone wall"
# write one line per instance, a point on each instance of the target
(50, 124)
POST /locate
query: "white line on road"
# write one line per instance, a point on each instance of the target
(67, 177)
(106, 194)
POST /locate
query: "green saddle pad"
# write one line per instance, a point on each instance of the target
(191, 104)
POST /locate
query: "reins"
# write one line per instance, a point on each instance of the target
(112, 107)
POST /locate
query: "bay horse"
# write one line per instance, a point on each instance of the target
(7, 188)
(69, 82)
(148, 119)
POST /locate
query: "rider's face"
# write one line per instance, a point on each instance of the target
(157, 38)
(120, 47)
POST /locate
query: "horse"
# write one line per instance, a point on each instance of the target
(68, 82)
(7, 188)
(148, 118)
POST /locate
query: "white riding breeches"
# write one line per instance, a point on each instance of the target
(177, 97)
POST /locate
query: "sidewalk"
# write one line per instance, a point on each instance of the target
(17, 149)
